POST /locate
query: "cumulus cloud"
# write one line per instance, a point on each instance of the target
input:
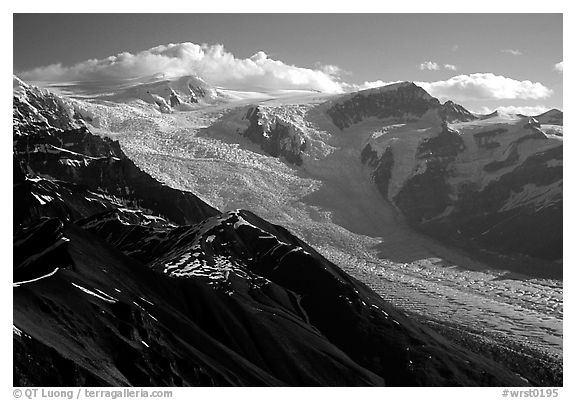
(486, 86)
(514, 52)
(212, 62)
(429, 65)
(370, 85)
(559, 67)
(332, 70)
(221, 68)
(434, 66)
(481, 86)
(524, 110)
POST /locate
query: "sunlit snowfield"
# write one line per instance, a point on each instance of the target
(331, 203)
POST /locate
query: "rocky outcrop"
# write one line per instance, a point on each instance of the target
(269, 128)
(276, 137)
(396, 103)
(174, 94)
(401, 102)
(494, 184)
(94, 164)
(35, 107)
(533, 229)
(382, 166)
(443, 147)
(232, 301)
(452, 112)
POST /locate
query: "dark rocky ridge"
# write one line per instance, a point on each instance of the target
(74, 155)
(525, 230)
(551, 117)
(131, 298)
(279, 139)
(476, 212)
(382, 166)
(465, 213)
(452, 112)
(404, 101)
(262, 324)
(428, 194)
(401, 102)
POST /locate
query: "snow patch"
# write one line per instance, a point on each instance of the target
(100, 295)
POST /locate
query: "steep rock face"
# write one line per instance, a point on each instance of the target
(98, 164)
(100, 321)
(119, 177)
(427, 194)
(452, 112)
(495, 183)
(232, 301)
(382, 166)
(173, 94)
(275, 134)
(401, 102)
(522, 210)
(276, 137)
(35, 107)
(40, 250)
(108, 292)
(397, 103)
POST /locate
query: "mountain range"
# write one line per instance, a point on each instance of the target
(125, 277)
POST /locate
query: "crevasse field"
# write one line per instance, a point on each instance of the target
(331, 203)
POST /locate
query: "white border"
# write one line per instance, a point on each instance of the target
(302, 6)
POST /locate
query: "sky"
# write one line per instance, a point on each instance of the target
(483, 61)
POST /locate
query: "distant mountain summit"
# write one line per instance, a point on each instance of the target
(452, 112)
(402, 101)
(163, 93)
(398, 102)
(39, 107)
(551, 117)
(173, 94)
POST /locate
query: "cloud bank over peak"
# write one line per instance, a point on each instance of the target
(221, 68)
(486, 86)
(479, 86)
(524, 110)
(212, 62)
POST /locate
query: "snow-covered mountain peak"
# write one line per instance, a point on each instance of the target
(38, 106)
(401, 87)
(280, 154)
(169, 94)
(166, 94)
(389, 87)
(18, 85)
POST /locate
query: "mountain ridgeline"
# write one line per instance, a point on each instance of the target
(121, 280)
(486, 183)
(400, 102)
